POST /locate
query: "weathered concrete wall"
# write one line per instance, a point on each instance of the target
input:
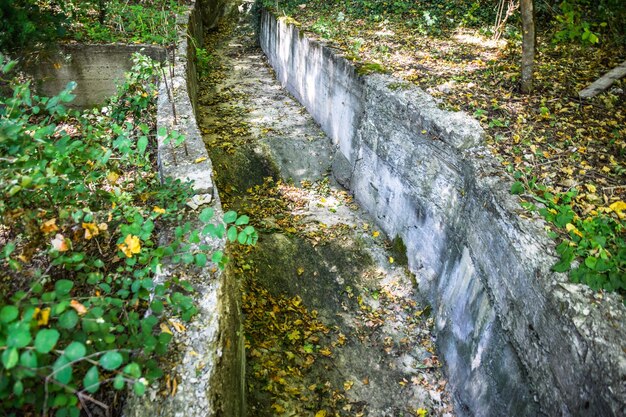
(96, 69)
(208, 357)
(516, 338)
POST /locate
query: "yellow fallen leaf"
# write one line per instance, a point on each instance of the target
(49, 226)
(112, 177)
(571, 228)
(591, 188)
(178, 326)
(202, 159)
(91, 230)
(421, 412)
(42, 316)
(300, 271)
(158, 210)
(165, 329)
(321, 413)
(325, 352)
(130, 246)
(391, 260)
(80, 309)
(279, 408)
(618, 207)
(348, 385)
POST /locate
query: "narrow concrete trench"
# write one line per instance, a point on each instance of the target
(334, 324)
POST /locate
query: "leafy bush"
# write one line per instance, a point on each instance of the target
(23, 23)
(136, 21)
(80, 308)
(591, 249)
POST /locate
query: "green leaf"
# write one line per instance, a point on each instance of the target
(111, 360)
(75, 351)
(142, 144)
(133, 370)
(63, 286)
(517, 188)
(187, 258)
(62, 370)
(10, 358)
(28, 359)
(591, 262)
(217, 257)
(242, 237)
(242, 220)
(19, 335)
(232, 233)
(206, 215)
(18, 388)
(156, 306)
(230, 216)
(139, 388)
(8, 314)
(46, 339)
(118, 382)
(91, 381)
(201, 259)
(68, 320)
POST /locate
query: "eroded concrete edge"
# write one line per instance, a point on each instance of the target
(517, 339)
(207, 358)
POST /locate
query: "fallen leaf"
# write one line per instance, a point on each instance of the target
(80, 309)
(130, 246)
(91, 230)
(59, 243)
(42, 316)
(165, 329)
(49, 226)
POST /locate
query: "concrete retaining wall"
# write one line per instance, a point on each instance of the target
(516, 338)
(96, 69)
(208, 358)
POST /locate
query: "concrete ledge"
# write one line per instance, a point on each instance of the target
(207, 359)
(517, 339)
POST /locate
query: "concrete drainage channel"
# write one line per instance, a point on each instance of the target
(337, 320)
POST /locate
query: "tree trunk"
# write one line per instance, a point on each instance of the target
(528, 44)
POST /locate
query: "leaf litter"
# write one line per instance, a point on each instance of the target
(332, 327)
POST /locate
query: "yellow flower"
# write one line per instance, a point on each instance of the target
(130, 246)
(158, 210)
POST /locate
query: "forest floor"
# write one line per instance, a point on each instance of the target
(567, 155)
(333, 322)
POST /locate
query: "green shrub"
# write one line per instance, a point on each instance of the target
(80, 309)
(591, 249)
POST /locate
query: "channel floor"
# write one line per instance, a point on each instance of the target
(334, 323)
